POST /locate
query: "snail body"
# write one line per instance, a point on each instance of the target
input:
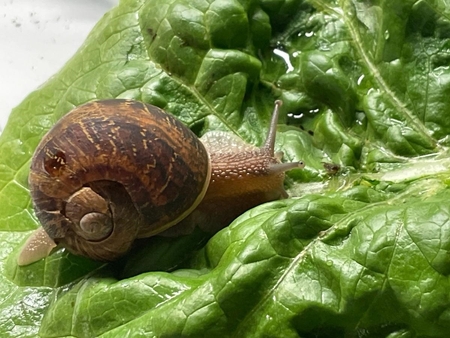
(113, 171)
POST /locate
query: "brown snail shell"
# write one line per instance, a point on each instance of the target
(112, 171)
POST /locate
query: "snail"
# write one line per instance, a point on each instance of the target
(113, 171)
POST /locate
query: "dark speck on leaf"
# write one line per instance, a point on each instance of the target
(331, 168)
(152, 33)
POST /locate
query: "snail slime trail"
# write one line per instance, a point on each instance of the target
(113, 171)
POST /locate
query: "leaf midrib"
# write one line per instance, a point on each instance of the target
(374, 72)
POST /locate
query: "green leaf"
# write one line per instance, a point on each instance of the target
(361, 250)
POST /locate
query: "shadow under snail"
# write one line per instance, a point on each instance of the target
(112, 171)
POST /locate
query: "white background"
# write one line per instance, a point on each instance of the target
(36, 38)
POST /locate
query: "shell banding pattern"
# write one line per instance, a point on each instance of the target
(115, 161)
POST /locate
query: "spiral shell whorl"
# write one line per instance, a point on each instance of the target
(90, 214)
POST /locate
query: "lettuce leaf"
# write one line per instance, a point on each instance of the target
(361, 250)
